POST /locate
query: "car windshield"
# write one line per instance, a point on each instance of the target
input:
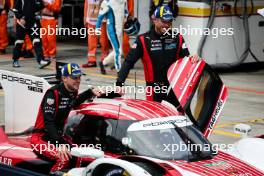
(184, 143)
(169, 138)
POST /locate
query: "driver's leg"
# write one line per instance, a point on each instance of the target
(49, 151)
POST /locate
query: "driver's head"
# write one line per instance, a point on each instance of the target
(162, 19)
(71, 76)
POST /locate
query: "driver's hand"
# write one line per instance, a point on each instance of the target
(195, 59)
(120, 90)
(97, 92)
(64, 153)
(22, 21)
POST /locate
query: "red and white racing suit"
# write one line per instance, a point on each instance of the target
(157, 52)
(48, 131)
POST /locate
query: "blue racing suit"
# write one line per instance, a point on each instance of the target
(114, 11)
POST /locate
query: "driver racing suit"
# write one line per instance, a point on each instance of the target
(114, 11)
(48, 131)
(158, 53)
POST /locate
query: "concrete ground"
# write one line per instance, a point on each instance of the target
(244, 105)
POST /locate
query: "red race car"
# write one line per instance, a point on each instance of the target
(124, 136)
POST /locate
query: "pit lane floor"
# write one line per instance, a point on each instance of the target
(244, 105)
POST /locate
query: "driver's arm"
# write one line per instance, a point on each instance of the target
(134, 54)
(82, 97)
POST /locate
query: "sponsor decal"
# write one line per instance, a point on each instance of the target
(35, 86)
(50, 101)
(228, 168)
(134, 46)
(75, 68)
(115, 172)
(220, 165)
(6, 161)
(195, 77)
(176, 121)
(155, 41)
(170, 46)
(155, 49)
(183, 84)
(216, 114)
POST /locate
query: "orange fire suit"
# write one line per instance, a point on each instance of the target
(27, 45)
(126, 45)
(91, 10)
(3, 24)
(49, 22)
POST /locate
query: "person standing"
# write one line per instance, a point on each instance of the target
(49, 21)
(27, 47)
(115, 12)
(91, 10)
(3, 26)
(28, 22)
(126, 45)
(158, 51)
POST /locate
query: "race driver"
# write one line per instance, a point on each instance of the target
(115, 11)
(56, 104)
(158, 50)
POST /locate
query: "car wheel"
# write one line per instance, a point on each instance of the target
(116, 171)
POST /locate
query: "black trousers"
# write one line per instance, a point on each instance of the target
(34, 37)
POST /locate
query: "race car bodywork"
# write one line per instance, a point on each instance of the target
(139, 137)
(242, 149)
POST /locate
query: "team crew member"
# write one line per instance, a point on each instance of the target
(3, 26)
(158, 51)
(27, 48)
(91, 10)
(56, 104)
(49, 19)
(115, 12)
(26, 13)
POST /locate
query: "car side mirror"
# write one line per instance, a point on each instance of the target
(242, 129)
(87, 152)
